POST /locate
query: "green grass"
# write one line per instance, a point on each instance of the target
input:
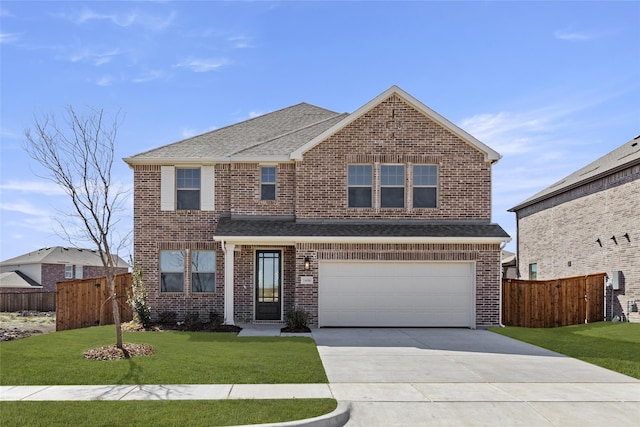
(160, 413)
(180, 358)
(614, 346)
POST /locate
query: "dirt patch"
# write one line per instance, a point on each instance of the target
(111, 352)
(22, 324)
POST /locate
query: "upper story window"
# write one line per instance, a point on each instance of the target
(392, 186)
(360, 183)
(79, 271)
(533, 271)
(171, 271)
(188, 189)
(203, 271)
(425, 186)
(68, 271)
(268, 183)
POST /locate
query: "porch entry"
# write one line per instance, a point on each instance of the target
(268, 285)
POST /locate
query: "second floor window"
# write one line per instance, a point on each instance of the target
(188, 189)
(533, 271)
(79, 271)
(68, 271)
(392, 186)
(425, 186)
(268, 183)
(360, 183)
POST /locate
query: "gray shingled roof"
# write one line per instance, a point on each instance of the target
(628, 154)
(60, 255)
(228, 227)
(276, 133)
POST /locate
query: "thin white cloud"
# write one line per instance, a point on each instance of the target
(24, 207)
(6, 38)
(240, 42)
(105, 80)
(202, 65)
(45, 188)
(149, 76)
(573, 36)
(189, 132)
(253, 114)
(150, 22)
(98, 58)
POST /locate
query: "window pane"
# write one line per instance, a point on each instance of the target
(68, 272)
(392, 175)
(203, 282)
(360, 175)
(424, 197)
(172, 261)
(79, 271)
(188, 178)
(203, 261)
(425, 175)
(392, 197)
(268, 175)
(359, 197)
(188, 199)
(268, 192)
(171, 282)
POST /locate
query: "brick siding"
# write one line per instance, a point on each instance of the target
(560, 233)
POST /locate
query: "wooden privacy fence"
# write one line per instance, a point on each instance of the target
(30, 301)
(83, 303)
(552, 303)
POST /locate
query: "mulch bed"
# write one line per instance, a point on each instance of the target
(111, 352)
(295, 330)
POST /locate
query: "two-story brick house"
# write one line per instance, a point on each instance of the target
(381, 217)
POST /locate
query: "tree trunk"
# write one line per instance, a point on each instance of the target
(116, 311)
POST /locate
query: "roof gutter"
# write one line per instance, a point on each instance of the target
(292, 240)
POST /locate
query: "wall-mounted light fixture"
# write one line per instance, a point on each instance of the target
(599, 242)
(307, 263)
(626, 236)
(614, 239)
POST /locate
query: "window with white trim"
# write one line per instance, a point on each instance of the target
(171, 271)
(188, 189)
(203, 271)
(79, 271)
(268, 183)
(533, 271)
(392, 186)
(360, 186)
(425, 186)
(68, 271)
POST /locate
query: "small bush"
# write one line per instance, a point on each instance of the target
(297, 319)
(215, 319)
(168, 318)
(192, 320)
(138, 297)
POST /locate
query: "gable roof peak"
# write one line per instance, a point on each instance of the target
(489, 154)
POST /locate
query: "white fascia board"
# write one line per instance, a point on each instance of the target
(291, 240)
(283, 158)
(132, 161)
(490, 155)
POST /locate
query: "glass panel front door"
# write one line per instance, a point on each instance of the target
(268, 285)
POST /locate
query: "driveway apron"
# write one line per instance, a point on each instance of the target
(452, 377)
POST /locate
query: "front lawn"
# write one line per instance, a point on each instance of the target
(161, 413)
(180, 358)
(614, 346)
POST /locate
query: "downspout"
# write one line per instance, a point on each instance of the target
(500, 276)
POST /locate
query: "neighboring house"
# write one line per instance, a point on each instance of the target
(15, 281)
(509, 267)
(588, 223)
(381, 217)
(47, 266)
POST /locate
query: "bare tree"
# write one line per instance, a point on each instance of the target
(78, 156)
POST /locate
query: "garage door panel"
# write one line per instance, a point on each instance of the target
(396, 294)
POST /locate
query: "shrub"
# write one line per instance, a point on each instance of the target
(297, 319)
(192, 320)
(215, 319)
(168, 318)
(138, 297)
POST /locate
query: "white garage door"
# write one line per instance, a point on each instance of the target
(436, 294)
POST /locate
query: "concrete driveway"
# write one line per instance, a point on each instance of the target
(453, 377)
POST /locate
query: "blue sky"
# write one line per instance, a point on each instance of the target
(550, 85)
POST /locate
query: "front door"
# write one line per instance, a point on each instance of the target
(268, 285)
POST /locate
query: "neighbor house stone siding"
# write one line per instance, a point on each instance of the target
(395, 133)
(559, 235)
(485, 256)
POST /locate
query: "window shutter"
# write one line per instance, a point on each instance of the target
(207, 188)
(167, 188)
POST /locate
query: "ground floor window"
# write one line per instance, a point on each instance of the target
(172, 271)
(203, 271)
(533, 271)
